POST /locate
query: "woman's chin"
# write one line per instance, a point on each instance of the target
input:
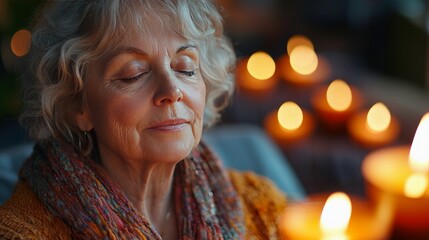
(179, 143)
(171, 151)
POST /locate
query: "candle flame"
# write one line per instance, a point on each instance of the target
(303, 59)
(378, 118)
(336, 214)
(339, 95)
(415, 185)
(419, 154)
(298, 40)
(261, 65)
(290, 116)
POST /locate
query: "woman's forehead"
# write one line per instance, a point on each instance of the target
(143, 22)
(150, 19)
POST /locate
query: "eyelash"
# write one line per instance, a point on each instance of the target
(133, 79)
(188, 73)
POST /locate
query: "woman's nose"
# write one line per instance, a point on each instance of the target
(168, 91)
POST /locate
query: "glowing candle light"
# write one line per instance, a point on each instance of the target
(415, 185)
(339, 95)
(336, 103)
(378, 118)
(301, 65)
(21, 42)
(336, 217)
(419, 155)
(374, 128)
(289, 123)
(257, 73)
(298, 40)
(402, 172)
(303, 60)
(290, 116)
(261, 66)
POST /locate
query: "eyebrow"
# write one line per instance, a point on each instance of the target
(184, 47)
(141, 52)
(130, 50)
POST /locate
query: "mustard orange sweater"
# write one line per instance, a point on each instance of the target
(23, 216)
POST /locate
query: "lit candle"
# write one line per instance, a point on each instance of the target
(375, 127)
(257, 73)
(289, 123)
(337, 217)
(301, 65)
(402, 173)
(336, 103)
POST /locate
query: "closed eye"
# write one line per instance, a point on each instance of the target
(132, 79)
(188, 73)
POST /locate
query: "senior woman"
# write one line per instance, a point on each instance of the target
(120, 92)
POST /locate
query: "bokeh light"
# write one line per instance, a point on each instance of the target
(339, 95)
(261, 65)
(378, 118)
(21, 42)
(298, 40)
(290, 116)
(303, 60)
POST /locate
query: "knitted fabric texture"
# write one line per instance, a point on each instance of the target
(79, 191)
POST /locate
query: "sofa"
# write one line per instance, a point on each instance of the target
(240, 146)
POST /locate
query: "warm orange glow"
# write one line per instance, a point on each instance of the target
(336, 214)
(419, 152)
(290, 116)
(378, 118)
(339, 95)
(298, 40)
(21, 43)
(261, 66)
(415, 185)
(303, 59)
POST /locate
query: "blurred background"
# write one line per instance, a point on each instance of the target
(386, 36)
(379, 46)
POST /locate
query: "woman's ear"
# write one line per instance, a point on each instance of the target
(83, 121)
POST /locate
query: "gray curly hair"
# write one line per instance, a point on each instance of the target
(71, 34)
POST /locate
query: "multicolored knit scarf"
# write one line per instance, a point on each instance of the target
(79, 191)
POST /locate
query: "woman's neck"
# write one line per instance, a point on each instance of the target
(148, 187)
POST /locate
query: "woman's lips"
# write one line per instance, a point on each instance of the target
(170, 125)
